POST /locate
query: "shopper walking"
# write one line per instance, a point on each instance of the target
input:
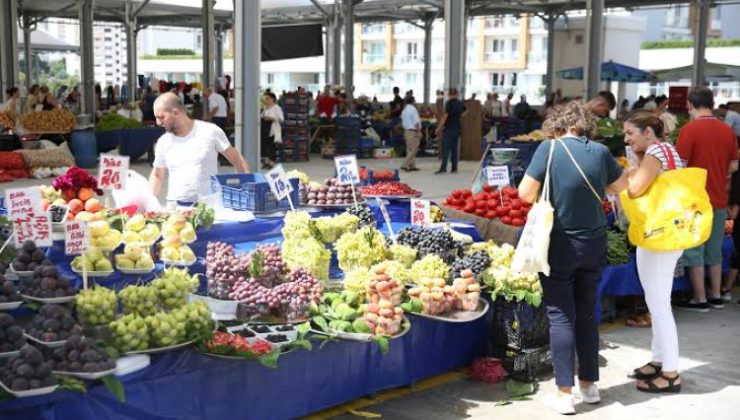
(644, 133)
(274, 139)
(449, 128)
(218, 110)
(706, 142)
(586, 171)
(411, 134)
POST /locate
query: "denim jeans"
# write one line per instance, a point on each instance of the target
(450, 139)
(569, 294)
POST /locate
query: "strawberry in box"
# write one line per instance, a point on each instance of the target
(491, 204)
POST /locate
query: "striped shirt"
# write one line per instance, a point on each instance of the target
(656, 151)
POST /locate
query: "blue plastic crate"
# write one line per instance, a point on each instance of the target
(251, 192)
(370, 178)
(367, 142)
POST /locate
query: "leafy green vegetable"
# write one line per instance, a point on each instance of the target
(114, 121)
(617, 248)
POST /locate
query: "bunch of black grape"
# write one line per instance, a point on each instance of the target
(29, 257)
(289, 299)
(8, 292)
(477, 262)
(53, 323)
(81, 355)
(3, 267)
(267, 265)
(46, 283)
(11, 335)
(224, 269)
(429, 241)
(365, 213)
(27, 370)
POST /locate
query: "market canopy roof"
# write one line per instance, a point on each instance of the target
(42, 41)
(714, 72)
(610, 72)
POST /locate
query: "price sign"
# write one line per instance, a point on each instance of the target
(22, 202)
(498, 176)
(278, 181)
(383, 210)
(76, 238)
(347, 171)
(36, 227)
(420, 212)
(112, 172)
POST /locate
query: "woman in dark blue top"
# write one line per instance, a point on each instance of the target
(581, 173)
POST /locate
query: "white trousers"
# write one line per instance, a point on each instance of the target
(656, 276)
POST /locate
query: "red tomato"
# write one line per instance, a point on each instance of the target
(457, 194)
(515, 213)
(501, 212)
(480, 212)
(481, 205)
(466, 193)
(516, 204)
(492, 204)
(506, 220)
(517, 221)
(506, 208)
(469, 207)
(491, 214)
(487, 188)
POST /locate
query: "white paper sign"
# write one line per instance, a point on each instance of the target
(278, 181)
(35, 227)
(383, 210)
(20, 203)
(112, 172)
(498, 176)
(347, 172)
(420, 212)
(76, 237)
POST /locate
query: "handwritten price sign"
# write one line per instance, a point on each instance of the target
(34, 227)
(113, 172)
(278, 181)
(498, 176)
(347, 171)
(76, 238)
(21, 202)
(420, 212)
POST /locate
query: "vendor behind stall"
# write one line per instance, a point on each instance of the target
(188, 151)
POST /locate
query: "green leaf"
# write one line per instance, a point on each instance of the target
(494, 295)
(72, 384)
(518, 388)
(382, 343)
(302, 344)
(521, 398)
(321, 323)
(520, 295)
(115, 387)
(536, 299)
(303, 329)
(270, 360)
(112, 352)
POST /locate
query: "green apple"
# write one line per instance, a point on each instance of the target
(144, 264)
(133, 252)
(136, 223)
(170, 254)
(124, 263)
(186, 254)
(99, 228)
(130, 236)
(95, 255)
(187, 233)
(110, 240)
(169, 230)
(103, 265)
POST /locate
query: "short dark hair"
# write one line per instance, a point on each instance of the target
(395, 90)
(701, 97)
(409, 100)
(609, 97)
(271, 95)
(724, 106)
(11, 91)
(643, 118)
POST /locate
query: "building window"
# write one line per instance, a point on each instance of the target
(373, 28)
(513, 79)
(270, 78)
(198, 42)
(412, 49)
(376, 78)
(374, 52)
(410, 79)
(515, 49)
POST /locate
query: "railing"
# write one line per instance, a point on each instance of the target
(537, 57)
(373, 58)
(408, 59)
(500, 56)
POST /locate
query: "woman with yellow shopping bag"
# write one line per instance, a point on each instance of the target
(669, 211)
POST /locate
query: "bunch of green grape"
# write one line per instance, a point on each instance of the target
(308, 253)
(166, 329)
(174, 287)
(97, 305)
(403, 254)
(430, 267)
(330, 228)
(296, 225)
(197, 318)
(130, 332)
(139, 300)
(356, 280)
(360, 249)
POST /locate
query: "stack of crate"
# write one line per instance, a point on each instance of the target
(295, 134)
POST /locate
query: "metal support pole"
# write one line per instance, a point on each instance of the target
(427, 59)
(27, 28)
(87, 84)
(247, 57)
(327, 50)
(8, 47)
(594, 31)
(550, 75)
(208, 44)
(219, 68)
(131, 56)
(336, 58)
(349, 49)
(454, 44)
(700, 42)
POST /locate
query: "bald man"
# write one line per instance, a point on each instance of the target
(188, 151)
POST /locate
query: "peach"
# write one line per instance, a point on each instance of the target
(386, 313)
(382, 286)
(93, 205)
(373, 308)
(85, 193)
(75, 206)
(466, 273)
(69, 194)
(381, 277)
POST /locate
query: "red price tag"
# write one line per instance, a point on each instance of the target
(76, 238)
(420, 212)
(112, 172)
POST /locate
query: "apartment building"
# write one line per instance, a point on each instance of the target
(110, 54)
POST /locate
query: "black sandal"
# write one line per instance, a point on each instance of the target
(637, 373)
(672, 387)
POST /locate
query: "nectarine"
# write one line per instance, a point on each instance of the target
(75, 206)
(85, 193)
(93, 205)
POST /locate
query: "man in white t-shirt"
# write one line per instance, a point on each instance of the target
(411, 133)
(217, 109)
(188, 151)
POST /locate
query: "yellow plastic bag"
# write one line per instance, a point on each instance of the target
(674, 214)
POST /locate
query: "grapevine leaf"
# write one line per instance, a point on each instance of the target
(270, 360)
(303, 329)
(500, 403)
(321, 323)
(325, 339)
(494, 295)
(382, 343)
(528, 297)
(303, 344)
(520, 294)
(115, 387)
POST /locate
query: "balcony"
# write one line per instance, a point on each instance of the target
(402, 59)
(368, 58)
(500, 56)
(537, 57)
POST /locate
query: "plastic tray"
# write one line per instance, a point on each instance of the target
(135, 271)
(20, 274)
(9, 306)
(457, 315)
(50, 344)
(179, 263)
(86, 375)
(405, 327)
(94, 274)
(162, 349)
(9, 354)
(30, 392)
(63, 299)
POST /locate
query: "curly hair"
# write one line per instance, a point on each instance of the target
(570, 117)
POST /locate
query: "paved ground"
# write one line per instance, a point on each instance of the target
(710, 365)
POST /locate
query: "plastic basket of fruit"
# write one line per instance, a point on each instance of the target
(251, 192)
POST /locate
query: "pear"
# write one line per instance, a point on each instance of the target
(99, 228)
(188, 233)
(177, 221)
(172, 241)
(95, 255)
(133, 252)
(130, 236)
(103, 265)
(136, 223)
(124, 263)
(186, 254)
(170, 254)
(144, 263)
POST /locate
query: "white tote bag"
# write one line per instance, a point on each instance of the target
(534, 243)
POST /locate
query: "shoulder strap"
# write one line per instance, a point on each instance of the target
(546, 188)
(668, 155)
(562, 143)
